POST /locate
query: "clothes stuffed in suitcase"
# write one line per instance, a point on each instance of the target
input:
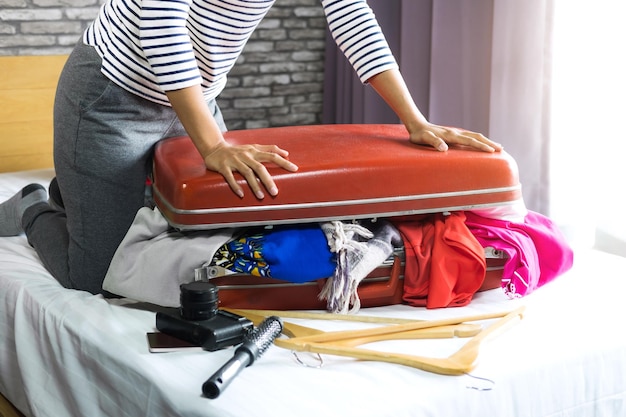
(348, 173)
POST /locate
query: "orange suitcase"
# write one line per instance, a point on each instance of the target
(346, 172)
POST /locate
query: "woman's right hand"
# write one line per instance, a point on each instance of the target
(249, 161)
(220, 156)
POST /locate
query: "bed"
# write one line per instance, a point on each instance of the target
(70, 353)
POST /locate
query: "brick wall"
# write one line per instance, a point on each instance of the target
(277, 81)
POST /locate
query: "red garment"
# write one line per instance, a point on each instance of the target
(445, 265)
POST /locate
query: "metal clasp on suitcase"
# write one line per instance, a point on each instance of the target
(493, 253)
(206, 272)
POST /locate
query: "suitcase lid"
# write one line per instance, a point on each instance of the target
(345, 172)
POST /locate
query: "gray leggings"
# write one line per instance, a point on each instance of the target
(103, 143)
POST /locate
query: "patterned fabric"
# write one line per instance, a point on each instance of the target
(243, 255)
(297, 253)
(359, 250)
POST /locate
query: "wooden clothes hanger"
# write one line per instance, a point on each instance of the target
(346, 343)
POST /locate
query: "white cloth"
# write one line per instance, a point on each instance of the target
(359, 251)
(154, 259)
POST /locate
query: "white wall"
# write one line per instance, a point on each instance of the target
(589, 122)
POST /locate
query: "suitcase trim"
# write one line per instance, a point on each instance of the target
(170, 212)
(335, 203)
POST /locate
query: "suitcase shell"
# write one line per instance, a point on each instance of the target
(383, 286)
(346, 172)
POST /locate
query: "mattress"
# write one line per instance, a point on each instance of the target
(70, 353)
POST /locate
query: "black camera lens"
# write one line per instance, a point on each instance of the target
(198, 300)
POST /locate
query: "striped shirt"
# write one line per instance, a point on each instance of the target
(149, 47)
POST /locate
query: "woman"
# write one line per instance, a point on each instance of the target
(147, 70)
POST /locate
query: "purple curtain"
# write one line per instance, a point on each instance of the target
(481, 65)
(407, 28)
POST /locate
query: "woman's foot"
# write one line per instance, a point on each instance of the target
(12, 210)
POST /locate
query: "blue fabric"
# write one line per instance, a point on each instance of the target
(297, 253)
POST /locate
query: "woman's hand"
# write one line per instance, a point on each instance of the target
(248, 161)
(219, 155)
(439, 137)
(391, 87)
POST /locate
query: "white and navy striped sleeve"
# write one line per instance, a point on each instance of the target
(152, 46)
(357, 33)
(145, 46)
(164, 40)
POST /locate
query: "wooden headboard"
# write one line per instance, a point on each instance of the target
(27, 88)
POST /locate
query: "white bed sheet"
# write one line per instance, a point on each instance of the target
(69, 353)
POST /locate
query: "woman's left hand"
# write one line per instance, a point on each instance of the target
(439, 137)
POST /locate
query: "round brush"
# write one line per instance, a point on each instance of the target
(255, 343)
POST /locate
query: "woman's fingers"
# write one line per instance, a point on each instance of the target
(440, 137)
(249, 161)
(474, 140)
(232, 182)
(428, 137)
